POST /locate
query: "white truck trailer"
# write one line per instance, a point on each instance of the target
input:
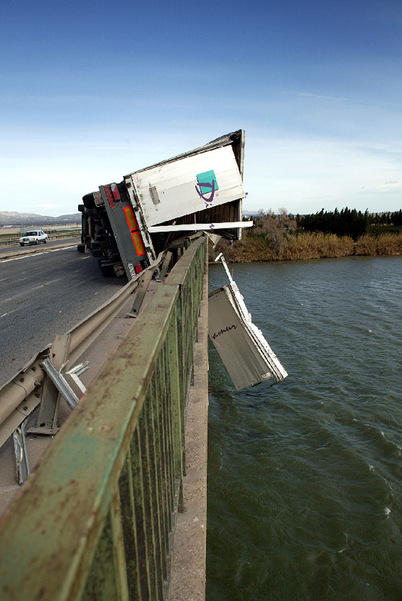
(127, 224)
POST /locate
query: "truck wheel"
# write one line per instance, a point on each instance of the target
(107, 269)
(81, 248)
(119, 271)
(89, 201)
(96, 250)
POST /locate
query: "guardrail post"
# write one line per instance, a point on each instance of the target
(50, 397)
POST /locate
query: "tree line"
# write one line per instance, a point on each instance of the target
(347, 222)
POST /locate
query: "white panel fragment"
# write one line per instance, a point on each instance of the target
(242, 347)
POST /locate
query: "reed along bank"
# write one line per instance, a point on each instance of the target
(282, 238)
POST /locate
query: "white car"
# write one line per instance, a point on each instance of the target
(33, 237)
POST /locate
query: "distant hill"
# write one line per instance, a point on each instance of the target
(14, 218)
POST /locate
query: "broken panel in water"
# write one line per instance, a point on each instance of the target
(242, 347)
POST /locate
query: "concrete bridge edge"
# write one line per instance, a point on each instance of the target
(188, 576)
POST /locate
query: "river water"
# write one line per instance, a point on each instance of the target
(304, 477)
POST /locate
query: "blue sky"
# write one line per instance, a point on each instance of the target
(92, 91)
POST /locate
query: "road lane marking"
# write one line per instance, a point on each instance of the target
(55, 250)
(26, 292)
(8, 313)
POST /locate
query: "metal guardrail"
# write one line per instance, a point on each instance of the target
(95, 520)
(20, 396)
(26, 390)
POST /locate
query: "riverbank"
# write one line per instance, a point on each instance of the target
(309, 245)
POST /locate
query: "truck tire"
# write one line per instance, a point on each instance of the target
(119, 270)
(89, 201)
(107, 268)
(96, 249)
(81, 248)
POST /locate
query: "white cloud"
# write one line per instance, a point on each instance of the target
(49, 174)
(307, 175)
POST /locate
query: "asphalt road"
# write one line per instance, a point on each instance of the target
(42, 295)
(12, 248)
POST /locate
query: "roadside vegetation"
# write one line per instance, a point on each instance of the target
(283, 237)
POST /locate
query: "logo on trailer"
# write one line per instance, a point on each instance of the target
(206, 186)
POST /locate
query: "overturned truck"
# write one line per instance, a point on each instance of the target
(126, 225)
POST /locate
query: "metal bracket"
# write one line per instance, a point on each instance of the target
(61, 383)
(21, 455)
(164, 267)
(50, 396)
(63, 388)
(74, 374)
(141, 291)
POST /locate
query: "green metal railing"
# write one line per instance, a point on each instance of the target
(95, 520)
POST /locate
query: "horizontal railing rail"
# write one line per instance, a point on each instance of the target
(95, 520)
